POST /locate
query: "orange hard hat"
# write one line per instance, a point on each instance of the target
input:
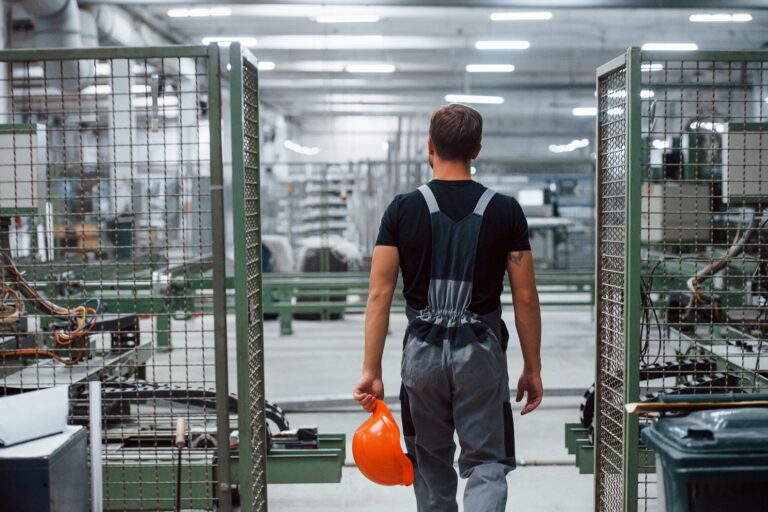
(377, 452)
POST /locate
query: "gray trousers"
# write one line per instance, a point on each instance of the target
(463, 389)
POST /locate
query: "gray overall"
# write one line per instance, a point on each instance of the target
(454, 374)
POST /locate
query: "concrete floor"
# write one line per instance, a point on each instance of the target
(322, 360)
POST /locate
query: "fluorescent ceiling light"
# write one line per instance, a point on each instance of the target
(199, 12)
(266, 65)
(320, 42)
(622, 93)
(615, 111)
(669, 47)
(221, 11)
(707, 125)
(521, 16)
(741, 17)
(652, 66)
(471, 98)
(103, 69)
(369, 68)
(365, 108)
(302, 150)
(585, 111)
(356, 42)
(661, 144)
(571, 146)
(318, 66)
(141, 89)
(28, 72)
(720, 18)
(502, 45)
(490, 68)
(162, 101)
(97, 89)
(347, 18)
(226, 41)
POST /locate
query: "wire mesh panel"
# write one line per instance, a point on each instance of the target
(611, 273)
(703, 227)
(110, 196)
(696, 160)
(246, 181)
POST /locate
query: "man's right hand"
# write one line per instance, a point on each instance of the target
(530, 384)
(369, 388)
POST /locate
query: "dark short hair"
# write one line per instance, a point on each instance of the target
(456, 132)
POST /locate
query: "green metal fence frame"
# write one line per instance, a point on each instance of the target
(248, 292)
(219, 293)
(631, 62)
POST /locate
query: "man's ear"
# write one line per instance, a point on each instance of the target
(430, 146)
(479, 147)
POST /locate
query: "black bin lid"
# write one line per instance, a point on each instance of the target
(742, 430)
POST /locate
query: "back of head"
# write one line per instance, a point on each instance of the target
(456, 132)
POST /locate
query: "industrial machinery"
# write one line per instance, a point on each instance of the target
(113, 269)
(682, 247)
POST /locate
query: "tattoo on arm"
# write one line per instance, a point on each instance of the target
(515, 257)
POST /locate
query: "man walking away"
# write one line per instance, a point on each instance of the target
(453, 239)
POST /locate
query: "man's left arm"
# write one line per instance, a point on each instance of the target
(384, 267)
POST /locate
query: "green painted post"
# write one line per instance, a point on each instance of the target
(632, 303)
(223, 480)
(241, 272)
(285, 308)
(163, 330)
(246, 210)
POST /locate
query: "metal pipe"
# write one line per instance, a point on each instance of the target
(645, 407)
(58, 25)
(181, 441)
(94, 402)
(89, 37)
(223, 475)
(115, 29)
(43, 8)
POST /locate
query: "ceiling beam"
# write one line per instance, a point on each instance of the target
(290, 84)
(509, 4)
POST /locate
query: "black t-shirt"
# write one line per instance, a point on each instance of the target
(406, 225)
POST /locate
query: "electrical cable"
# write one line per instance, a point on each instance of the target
(646, 289)
(82, 317)
(12, 306)
(737, 247)
(763, 312)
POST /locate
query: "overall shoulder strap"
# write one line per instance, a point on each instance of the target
(429, 197)
(483, 202)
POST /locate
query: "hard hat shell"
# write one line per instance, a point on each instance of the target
(377, 452)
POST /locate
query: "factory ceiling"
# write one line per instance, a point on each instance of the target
(402, 58)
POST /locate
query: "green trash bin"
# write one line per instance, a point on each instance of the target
(711, 461)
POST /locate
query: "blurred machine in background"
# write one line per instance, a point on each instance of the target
(339, 207)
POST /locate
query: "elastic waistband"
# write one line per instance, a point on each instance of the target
(492, 319)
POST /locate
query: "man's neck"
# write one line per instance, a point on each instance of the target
(451, 171)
